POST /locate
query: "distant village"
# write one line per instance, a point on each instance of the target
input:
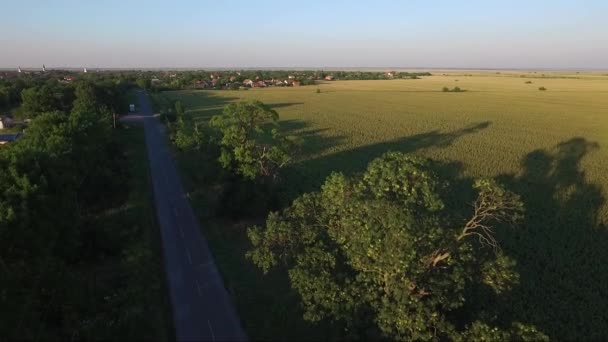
(12, 82)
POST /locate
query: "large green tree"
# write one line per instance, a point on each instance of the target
(379, 252)
(250, 139)
(4, 96)
(37, 100)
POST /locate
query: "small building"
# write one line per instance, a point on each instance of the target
(5, 122)
(201, 85)
(329, 78)
(9, 138)
(232, 78)
(248, 83)
(296, 83)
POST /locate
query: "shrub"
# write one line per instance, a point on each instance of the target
(528, 82)
(168, 116)
(318, 91)
(542, 88)
(446, 89)
(457, 90)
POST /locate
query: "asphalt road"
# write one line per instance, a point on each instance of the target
(202, 308)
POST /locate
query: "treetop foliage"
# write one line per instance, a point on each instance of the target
(250, 139)
(378, 251)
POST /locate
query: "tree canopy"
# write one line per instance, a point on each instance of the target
(250, 139)
(379, 253)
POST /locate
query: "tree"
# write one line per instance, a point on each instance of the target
(144, 83)
(4, 97)
(379, 251)
(38, 100)
(250, 140)
(87, 99)
(179, 110)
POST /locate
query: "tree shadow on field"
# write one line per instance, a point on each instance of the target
(284, 104)
(562, 248)
(308, 175)
(311, 141)
(202, 105)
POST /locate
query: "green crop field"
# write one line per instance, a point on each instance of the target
(549, 146)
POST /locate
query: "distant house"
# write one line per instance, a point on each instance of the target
(5, 122)
(68, 78)
(329, 78)
(9, 138)
(232, 78)
(260, 84)
(296, 83)
(248, 83)
(389, 74)
(291, 77)
(201, 85)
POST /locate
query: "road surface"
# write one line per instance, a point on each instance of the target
(202, 309)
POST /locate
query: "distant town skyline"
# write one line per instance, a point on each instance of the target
(308, 34)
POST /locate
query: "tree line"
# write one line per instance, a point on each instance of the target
(57, 184)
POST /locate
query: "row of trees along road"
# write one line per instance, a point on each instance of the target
(55, 182)
(378, 252)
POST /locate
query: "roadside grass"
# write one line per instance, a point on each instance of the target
(550, 147)
(268, 309)
(144, 260)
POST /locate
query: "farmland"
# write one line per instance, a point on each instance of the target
(548, 146)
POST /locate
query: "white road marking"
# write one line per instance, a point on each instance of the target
(198, 288)
(211, 329)
(189, 256)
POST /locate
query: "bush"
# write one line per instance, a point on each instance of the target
(244, 198)
(168, 116)
(542, 88)
(318, 91)
(528, 82)
(454, 90)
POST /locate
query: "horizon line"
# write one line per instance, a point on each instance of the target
(335, 68)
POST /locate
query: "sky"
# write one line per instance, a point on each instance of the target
(311, 33)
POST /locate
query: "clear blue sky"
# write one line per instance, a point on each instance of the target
(310, 33)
